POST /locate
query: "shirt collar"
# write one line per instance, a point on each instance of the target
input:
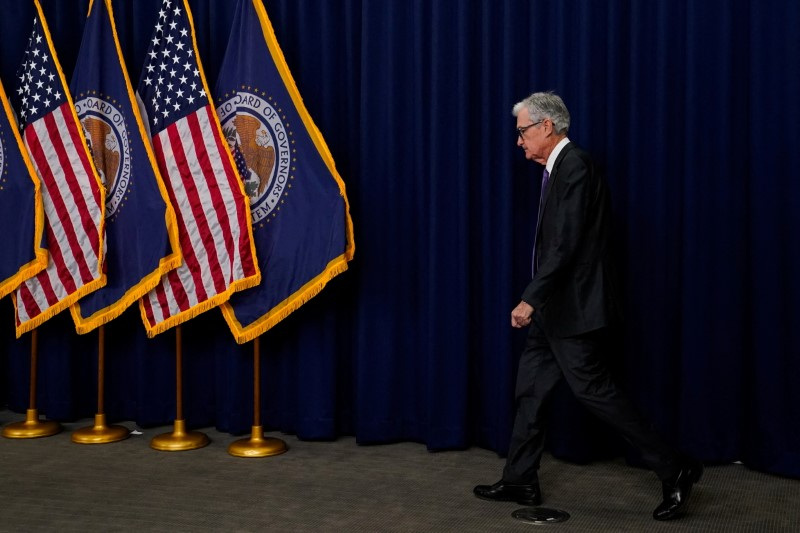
(554, 154)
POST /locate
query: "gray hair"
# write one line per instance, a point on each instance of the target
(545, 105)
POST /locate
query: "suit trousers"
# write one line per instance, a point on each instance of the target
(544, 362)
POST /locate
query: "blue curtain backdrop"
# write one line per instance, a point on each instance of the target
(690, 106)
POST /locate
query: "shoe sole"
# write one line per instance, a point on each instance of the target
(520, 501)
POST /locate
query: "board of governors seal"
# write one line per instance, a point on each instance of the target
(255, 133)
(107, 135)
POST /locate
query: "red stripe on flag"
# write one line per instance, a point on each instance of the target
(62, 270)
(72, 180)
(195, 200)
(72, 126)
(247, 260)
(179, 293)
(54, 191)
(211, 178)
(28, 302)
(187, 246)
(47, 289)
(148, 310)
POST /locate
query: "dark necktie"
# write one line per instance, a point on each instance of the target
(534, 259)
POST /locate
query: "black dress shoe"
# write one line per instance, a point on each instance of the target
(507, 492)
(677, 490)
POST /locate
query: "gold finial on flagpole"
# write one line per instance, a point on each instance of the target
(180, 439)
(257, 445)
(100, 433)
(32, 427)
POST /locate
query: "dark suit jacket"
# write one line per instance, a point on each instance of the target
(574, 286)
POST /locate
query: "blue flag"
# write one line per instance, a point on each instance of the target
(21, 209)
(141, 228)
(301, 221)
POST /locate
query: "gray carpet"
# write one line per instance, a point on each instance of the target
(52, 484)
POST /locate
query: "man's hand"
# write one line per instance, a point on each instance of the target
(521, 315)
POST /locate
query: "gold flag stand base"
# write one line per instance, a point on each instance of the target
(179, 440)
(257, 445)
(32, 427)
(100, 433)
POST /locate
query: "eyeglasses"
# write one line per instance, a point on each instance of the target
(522, 129)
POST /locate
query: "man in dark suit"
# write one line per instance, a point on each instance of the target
(568, 307)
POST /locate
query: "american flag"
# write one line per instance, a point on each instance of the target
(212, 210)
(73, 196)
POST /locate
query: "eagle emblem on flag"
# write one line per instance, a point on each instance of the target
(254, 128)
(107, 135)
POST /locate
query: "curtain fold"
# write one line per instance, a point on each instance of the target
(690, 107)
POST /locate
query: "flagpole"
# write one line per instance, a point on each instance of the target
(100, 433)
(179, 440)
(257, 445)
(32, 427)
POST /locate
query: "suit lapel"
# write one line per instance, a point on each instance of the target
(551, 182)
